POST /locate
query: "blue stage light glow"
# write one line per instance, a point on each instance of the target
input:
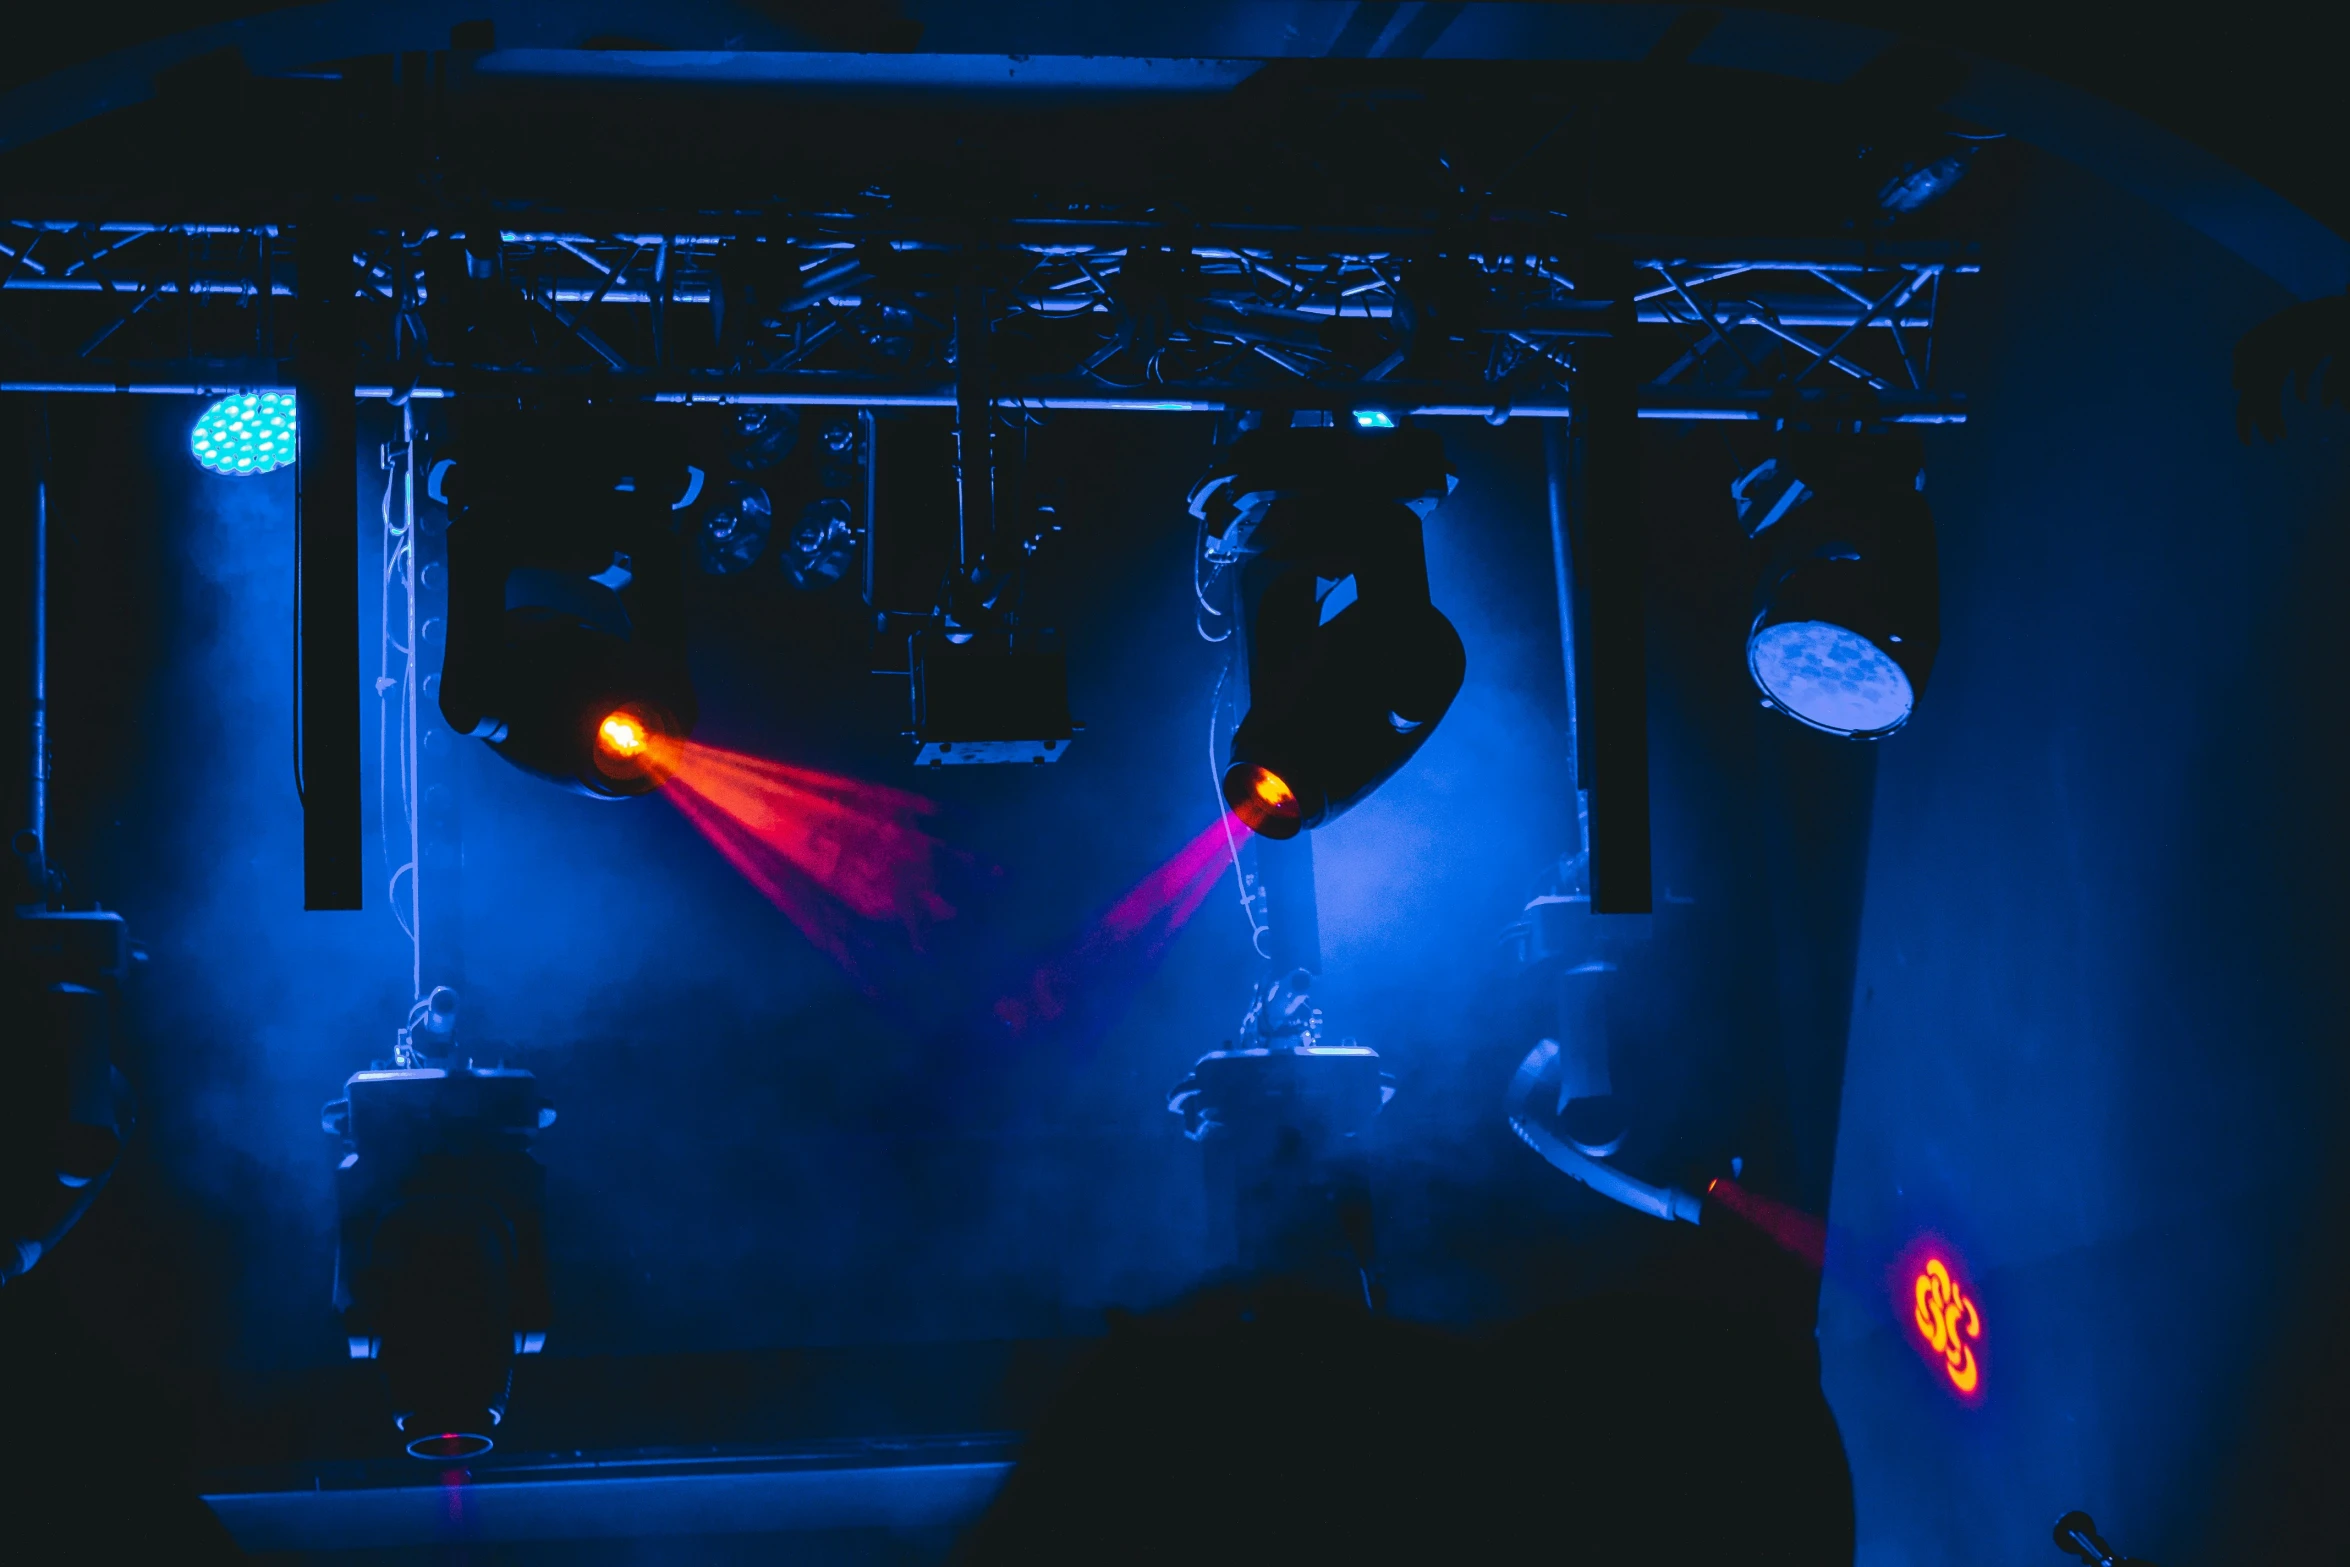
(1830, 678)
(251, 432)
(1373, 419)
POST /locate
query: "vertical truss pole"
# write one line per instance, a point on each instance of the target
(974, 427)
(439, 826)
(33, 847)
(396, 745)
(411, 753)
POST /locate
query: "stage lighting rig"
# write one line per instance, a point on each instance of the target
(473, 312)
(1152, 295)
(1562, 1101)
(763, 435)
(2076, 1535)
(566, 638)
(440, 1258)
(1847, 612)
(1350, 667)
(821, 495)
(734, 528)
(1549, 1082)
(830, 535)
(824, 545)
(989, 683)
(1438, 302)
(985, 688)
(67, 1109)
(1928, 175)
(1283, 1119)
(245, 434)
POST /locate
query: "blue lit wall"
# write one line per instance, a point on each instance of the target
(2097, 1026)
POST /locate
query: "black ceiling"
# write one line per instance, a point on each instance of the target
(2249, 83)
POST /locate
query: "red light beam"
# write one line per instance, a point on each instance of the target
(1799, 1234)
(1130, 935)
(834, 854)
(1171, 894)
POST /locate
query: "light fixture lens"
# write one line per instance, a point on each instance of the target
(450, 1444)
(821, 550)
(622, 735)
(247, 434)
(1263, 800)
(1373, 419)
(1830, 678)
(734, 529)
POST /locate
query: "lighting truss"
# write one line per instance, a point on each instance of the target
(865, 310)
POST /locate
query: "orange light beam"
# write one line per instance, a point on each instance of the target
(1133, 931)
(801, 901)
(829, 852)
(1797, 1233)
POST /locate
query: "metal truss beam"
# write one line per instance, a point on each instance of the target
(1086, 312)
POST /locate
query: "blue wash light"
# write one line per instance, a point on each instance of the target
(250, 432)
(1830, 678)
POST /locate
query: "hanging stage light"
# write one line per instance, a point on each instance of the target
(735, 525)
(763, 436)
(67, 1111)
(566, 645)
(1349, 665)
(1847, 616)
(1928, 175)
(440, 1258)
(252, 432)
(1284, 1119)
(825, 544)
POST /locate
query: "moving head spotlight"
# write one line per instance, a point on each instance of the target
(1847, 612)
(566, 648)
(440, 1262)
(1283, 1119)
(1349, 665)
(66, 1110)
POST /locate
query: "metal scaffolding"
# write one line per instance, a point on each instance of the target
(1082, 312)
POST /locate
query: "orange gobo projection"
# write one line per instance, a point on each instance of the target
(1947, 1318)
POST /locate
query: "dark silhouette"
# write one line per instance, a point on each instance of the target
(2301, 345)
(1264, 1427)
(99, 1452)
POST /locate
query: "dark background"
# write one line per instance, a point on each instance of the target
(2253, 81)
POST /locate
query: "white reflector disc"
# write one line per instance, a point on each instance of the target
(1829, 677)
